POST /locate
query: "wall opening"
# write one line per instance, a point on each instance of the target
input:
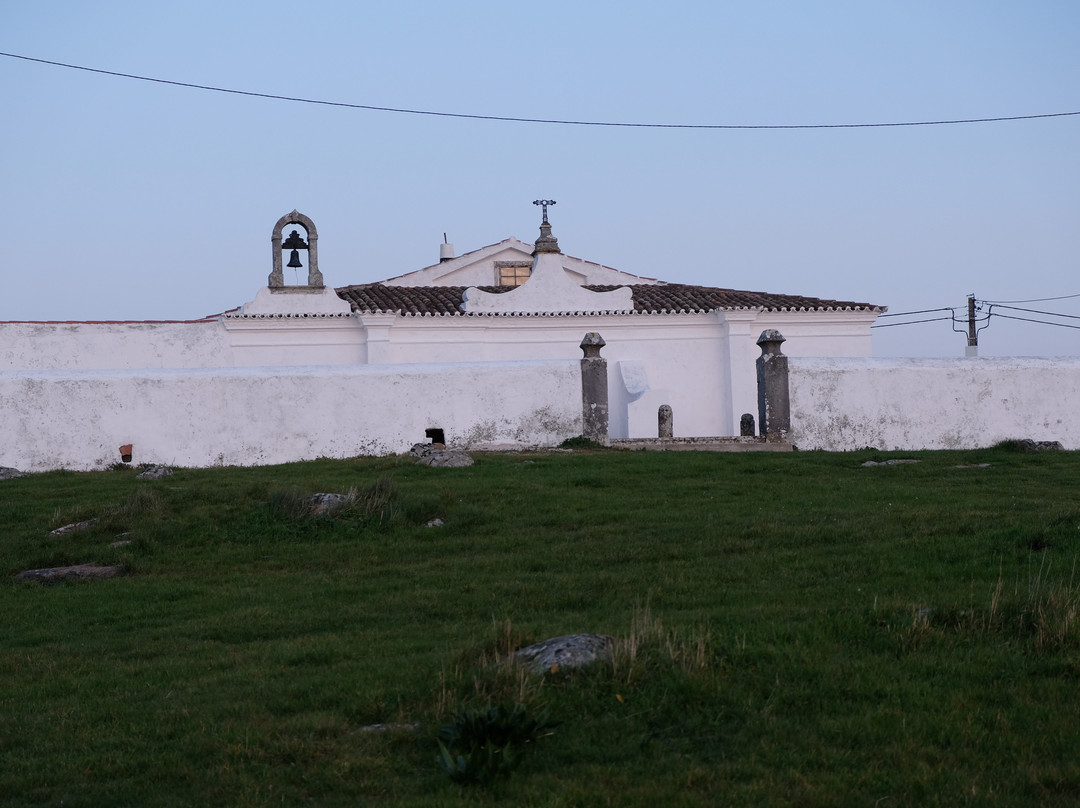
(436, 435)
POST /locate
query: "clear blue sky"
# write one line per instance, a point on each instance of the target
(135, 200)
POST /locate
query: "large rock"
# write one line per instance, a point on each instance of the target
(568, 651)
(1028, 445)
(326, 504)
(155, 473)
(8, 473)
(437, 456)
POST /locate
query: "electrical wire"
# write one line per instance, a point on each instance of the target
(913, 322)
(1033, 300)
(533, 120)
(921, 311)
(1040, 322)
(1035, 311)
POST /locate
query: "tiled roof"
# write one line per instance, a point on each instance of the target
(648, 299)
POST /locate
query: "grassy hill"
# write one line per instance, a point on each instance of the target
(791, 629)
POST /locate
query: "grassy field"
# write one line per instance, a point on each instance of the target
(792, 629)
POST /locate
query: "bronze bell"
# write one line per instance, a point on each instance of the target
(296, 244)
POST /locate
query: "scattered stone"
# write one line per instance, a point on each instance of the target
(323, 504)
(451, 458)
(434, 455)
(399, 727)
(122, 543)
(52, 575)
(569, 651)
(8, 473)
(73, 527)
(870, 463)
(1028, 445)
(974, 466)
(154, 473)
(436, 522)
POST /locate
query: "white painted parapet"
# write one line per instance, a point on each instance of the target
(906, 404)
(113, 346)
(253, 416)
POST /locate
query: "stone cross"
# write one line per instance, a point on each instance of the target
(544, 206)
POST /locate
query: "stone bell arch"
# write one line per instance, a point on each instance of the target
(295, 243)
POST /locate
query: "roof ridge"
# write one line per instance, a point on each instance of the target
(659, 298)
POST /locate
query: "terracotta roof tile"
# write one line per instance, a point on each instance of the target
(648, 299)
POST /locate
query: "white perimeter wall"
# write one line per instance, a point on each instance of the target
(253, 416)
(844, 404)
(702, 364)
(100, 346)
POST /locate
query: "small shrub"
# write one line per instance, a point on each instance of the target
(650, 646)
(116, 518)
(1047, 615)
(1010, 446)
(488, 673)
(481, 745)
(357, 504)
(580, 442)
(288, 503)
(373, 501)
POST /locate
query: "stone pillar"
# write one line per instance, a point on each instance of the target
(774, 404)
(594, 390)
(664, 422)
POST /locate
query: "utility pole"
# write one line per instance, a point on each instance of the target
(972, 334)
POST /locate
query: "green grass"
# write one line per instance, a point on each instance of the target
(792, 629)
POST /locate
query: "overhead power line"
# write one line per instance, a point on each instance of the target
(1033, 300)
(920, 311)
(506, 118)
(910, 322)
(1034, 311)
(1040, 322)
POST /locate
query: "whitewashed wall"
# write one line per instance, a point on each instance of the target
(844, 404)
(100, 346)
(252, 416)
(700, 364)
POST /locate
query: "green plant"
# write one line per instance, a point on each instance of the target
(481, 745)
(372, 502)
(580, 442)
(1012, 445)
(369, 503)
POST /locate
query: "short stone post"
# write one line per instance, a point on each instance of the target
(594, 390)
(664, 425)
(774, 403)
(746, 425)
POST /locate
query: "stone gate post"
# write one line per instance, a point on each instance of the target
(774, 403)
(594, 389)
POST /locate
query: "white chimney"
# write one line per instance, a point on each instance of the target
(446, 250)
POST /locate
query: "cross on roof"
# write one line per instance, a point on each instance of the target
(544, 204)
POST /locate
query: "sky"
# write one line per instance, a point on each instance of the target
(137, 200)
